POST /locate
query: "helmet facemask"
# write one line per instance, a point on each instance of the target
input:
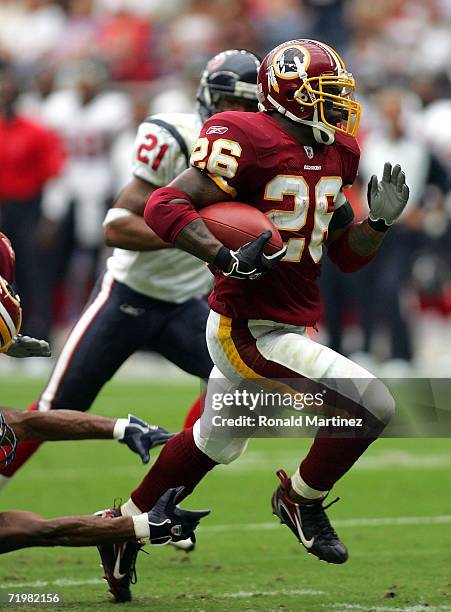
(329, 94)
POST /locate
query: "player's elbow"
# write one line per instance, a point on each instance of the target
(167, 212)
(116, 234)
(154, 209)
(110, 235)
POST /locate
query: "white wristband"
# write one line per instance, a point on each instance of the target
(113, 214)
(141, 525)
(119, 428)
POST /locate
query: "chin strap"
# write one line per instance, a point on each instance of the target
(321, 132)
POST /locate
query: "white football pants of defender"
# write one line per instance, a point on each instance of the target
(259, 349)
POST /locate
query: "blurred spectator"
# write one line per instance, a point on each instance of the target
(78, 36)
(380, 288)
(328, 22)
(32, 103)
(125, 41)
(281, 21)
(194, 35)
(88, 117)
(29, 30)
(30, 155)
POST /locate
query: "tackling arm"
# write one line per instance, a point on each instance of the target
(124, 226)
(74, 425)
(165, 522)
(58, 425)
(27, 529)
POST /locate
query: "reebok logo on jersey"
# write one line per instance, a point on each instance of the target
(132, 310)
(217, 129)
(307, 167)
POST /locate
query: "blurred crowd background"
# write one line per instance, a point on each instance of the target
(77, 77)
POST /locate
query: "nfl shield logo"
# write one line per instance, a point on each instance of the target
(309, 152)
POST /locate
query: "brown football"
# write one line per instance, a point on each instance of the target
(235, 223)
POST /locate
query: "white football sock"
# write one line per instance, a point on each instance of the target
(119, 428)
(130, 509)
(141, 525)
(300, 487)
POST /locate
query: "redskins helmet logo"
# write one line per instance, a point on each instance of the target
(290, 61)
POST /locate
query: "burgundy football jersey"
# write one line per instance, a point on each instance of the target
(251, 157)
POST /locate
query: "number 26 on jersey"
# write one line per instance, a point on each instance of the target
(222, 163)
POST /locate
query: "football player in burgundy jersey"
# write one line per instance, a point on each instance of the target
(151, 296)
(292, 160)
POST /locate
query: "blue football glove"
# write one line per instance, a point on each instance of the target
(140, 437)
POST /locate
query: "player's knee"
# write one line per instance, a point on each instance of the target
(232, 452)
(224, 454)
(379, 401)
(219, 449)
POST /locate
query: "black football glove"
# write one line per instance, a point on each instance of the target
(249, 261)
(169, 523)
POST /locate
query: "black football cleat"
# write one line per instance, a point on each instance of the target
(167, 523)
(118, 562)
(309, 523)
(140, 437)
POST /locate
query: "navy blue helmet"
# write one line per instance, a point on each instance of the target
(230, 74)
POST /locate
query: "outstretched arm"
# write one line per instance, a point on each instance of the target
(58, 425)
(164, 523)
(26, 529)
(74, 425)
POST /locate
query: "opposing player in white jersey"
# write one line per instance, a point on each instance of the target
(150, 296)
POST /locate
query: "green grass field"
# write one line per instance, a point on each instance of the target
(394, 516)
